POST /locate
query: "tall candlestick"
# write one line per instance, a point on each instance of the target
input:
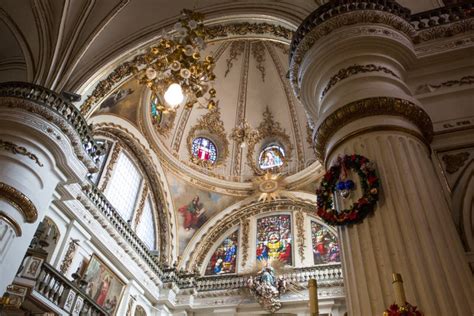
(397, 284)
(313, 297)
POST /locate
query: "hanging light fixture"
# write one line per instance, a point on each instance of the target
(175, 71)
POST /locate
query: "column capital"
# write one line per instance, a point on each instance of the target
(376, 106)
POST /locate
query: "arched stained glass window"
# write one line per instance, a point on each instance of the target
(146, 226)
(274, 238)
(156, 115)
(272, 156)
(224, 258)
(325, 244)
(204, 149)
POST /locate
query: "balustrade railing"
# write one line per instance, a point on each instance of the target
(335, 8)
(444, 15)
(327, 275)
(440, 16)
(52, 285)
(53, 101)
(96, 196)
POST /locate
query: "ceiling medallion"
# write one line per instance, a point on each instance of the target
(269, 186)
(175, 71)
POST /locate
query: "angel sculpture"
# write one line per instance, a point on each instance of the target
(266, 287)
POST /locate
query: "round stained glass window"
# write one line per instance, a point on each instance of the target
(204, 149)
(272, 156)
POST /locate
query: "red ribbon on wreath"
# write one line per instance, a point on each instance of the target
(359, 210)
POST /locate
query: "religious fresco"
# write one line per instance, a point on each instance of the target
(224, 258)
(325, 244)
(122, 102)
(194, 207)
(274, 240)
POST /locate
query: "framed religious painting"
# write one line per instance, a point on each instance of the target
(103, 286)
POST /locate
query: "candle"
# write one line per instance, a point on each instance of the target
(397, 284)
(313, 297)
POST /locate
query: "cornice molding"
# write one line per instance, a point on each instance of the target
(19, 201)
(371, 107)
(11, 222)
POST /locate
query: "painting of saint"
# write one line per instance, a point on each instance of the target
(274, 238)
(224, 258)
(104, 287)
(325, 244)
(115, 98)
(194, 207)
(191, 213)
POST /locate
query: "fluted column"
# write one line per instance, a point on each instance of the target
(348, 67)
(41, 145)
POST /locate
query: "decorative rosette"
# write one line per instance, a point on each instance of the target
(335, 182)
(406, 310)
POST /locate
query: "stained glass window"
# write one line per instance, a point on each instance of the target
(204, 149)
(274, 238)
(224, 259)
(156, 115)
(271, 156)
(325, 244)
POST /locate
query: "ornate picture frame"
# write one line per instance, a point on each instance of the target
(104, 287)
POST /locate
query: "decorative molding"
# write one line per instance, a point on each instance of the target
(20, 201)
(82, 150)
(258, 53)
(307, 39)
(241, 110)
(236, 49)
(300, 233)
(267, 129)
(426, 88)
(291, 105)
(442, 31)
(245, 28)
(110, 165)
(371, 107)
(354, 70)
(454, 162)
(211, 123)
(69, 256)
(141, 206)
(11, 222)
(245, 224)
(20, 150)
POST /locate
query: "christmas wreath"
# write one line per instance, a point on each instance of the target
(336, 181)
(407, 310)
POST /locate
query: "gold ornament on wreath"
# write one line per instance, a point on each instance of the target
(175, 71)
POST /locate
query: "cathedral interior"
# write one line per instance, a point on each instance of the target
(250, 157)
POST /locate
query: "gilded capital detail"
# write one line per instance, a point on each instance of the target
(20, 150)
(20, 201)
(371, 107)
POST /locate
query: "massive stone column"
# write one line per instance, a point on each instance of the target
(43, 142)
(348, 67)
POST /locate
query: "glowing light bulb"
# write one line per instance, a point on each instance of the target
(243, 144)
(174, 95)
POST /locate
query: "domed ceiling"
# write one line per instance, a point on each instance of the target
(251, 86)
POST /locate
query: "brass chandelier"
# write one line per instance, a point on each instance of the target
(175, 71)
